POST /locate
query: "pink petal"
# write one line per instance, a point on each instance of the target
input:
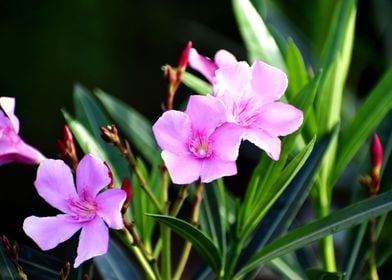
(172, 130)
(183, 169)
(226, 140)
(206, 113)
(271, 145)
(93, 241)
(224, 58)
(8, 105)
(280, 119)
(268, 82)
(215, 168)
(92, 175)
(232, 80)
(55, 184)
(20, 152)
(48, 232)
(109, 204)
(202, 64)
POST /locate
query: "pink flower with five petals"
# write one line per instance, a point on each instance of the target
(12, 147)
(198, 143)
(85, 207)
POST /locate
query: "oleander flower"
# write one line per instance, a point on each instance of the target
(84, 207)
(198, 143)
(207, 67)
(12, 147)
(250, 95)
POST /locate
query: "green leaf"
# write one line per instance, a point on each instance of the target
(86, 141)
(365, 121)
(282, 213)
(115, 264)
(134, 125)
(270, 193)
(202, 243)
(7, 269)
(92, 117)
(258, 40)
(296, 69)
(319, 274)
(335, 222)
(196, 84)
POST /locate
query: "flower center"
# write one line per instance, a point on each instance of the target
(83, 210)
(244, 113)
(200, 146)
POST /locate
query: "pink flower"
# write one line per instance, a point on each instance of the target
(12, 147)
(85, 207)
(198, 143)
(207, 67)
(250, 94)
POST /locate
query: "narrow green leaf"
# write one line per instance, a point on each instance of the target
(257, 38)
(91, 116)
(285, 269)
(135, 126)
(337, 221)
(319, 274)
(115, 264)
(269, 194)
(282, 213)
(365, 121)
(196, 84)
(86, 141)
(202, 243)
(7, 269)
(296, 69)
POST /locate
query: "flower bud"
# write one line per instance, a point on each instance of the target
(126, 186)
(66, 147)
(111, 184)
(183, 63)
(110, 134)
(376, 153)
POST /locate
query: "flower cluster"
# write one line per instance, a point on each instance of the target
(203, 141)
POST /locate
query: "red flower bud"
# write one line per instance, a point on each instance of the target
(185, 57)
(111, 184)
(66, 147)
(376, 151)
(110, 134)
(126, 186)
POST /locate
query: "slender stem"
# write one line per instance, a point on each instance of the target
(151, 273)
(165, 231)
(372, 250)
(326, 243)
(182, 195)
(127, 153)
(195, 221)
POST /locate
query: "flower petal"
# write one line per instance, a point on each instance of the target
(232, 80)
(48, 232)
(55, 184)
(215, 168)
(8, 105)
(268, 82)
(202, 64)
(92, 175)
(93, 240)
(224, 58)
(172, 130)
(109, 204)
(280, 119)
(183, 169)
(206, 113)
(271, 145)
(226, 140)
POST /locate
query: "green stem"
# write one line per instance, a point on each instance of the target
(232, 258)
(326, 243)
(182, 195)
(165, 231)
(372, 250)
(195, 221)
(149, 271)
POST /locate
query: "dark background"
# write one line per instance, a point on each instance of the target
(119, 46)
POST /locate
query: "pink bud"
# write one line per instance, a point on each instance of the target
(376, 151)
(185, 57)
(126, 186)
